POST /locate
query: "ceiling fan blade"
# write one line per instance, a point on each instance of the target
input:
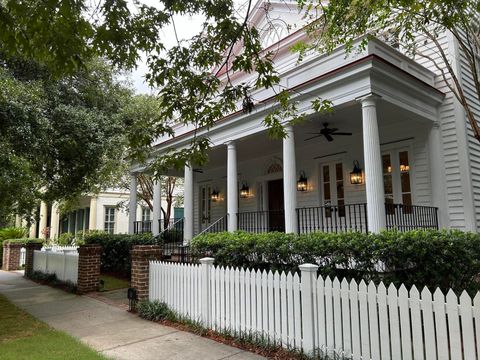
(313, 137)
(342, 133)
(198, 171)
(329, 138)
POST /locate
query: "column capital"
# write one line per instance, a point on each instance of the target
(288, 128)
(436, 125)
(231, 144)
(368, 100)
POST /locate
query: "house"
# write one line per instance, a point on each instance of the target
(397, 151)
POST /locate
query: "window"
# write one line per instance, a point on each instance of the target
(109, 226)
(333, 188)
(146, 214)
(205, 205)
(396, 178)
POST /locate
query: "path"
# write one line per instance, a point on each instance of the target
(109, 329)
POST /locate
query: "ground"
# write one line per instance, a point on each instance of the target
(113, 282)
(24, 337)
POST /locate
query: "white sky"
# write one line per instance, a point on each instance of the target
(186, 26)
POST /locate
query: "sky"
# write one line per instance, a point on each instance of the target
(186, 26)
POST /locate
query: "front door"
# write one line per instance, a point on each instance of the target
(276, 213)
(333, 194)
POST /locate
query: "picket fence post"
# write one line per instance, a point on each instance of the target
(206, 291)
(309, 277)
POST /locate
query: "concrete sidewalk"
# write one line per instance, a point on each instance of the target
(108, 329)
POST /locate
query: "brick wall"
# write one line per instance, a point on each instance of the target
(11, 256)
(141, 256)
(30, 248)
(88, 268)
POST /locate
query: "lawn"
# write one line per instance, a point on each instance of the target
(24, 337)
(113, 283)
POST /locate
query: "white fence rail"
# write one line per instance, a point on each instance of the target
(64, 266)
(309, 313)
(61, 248)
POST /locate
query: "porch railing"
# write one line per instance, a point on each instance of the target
(217, 226)
(351, 217)
(261, 221)
(172, 239)
(140, 227)
(411, 217)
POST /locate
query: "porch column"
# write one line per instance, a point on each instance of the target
(33, 230)
(232, 187)
(373, 166)
(54, 221)
(18, 221)
(157, 207)
(92, 219)
(188, 204)
(289, 181)
(43, 220)
(132, 213)
(437, 174)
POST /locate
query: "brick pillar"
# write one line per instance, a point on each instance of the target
(141, 256)
(30, 248)
(89, 260)
(11, 256)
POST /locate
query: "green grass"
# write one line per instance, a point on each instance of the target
(24, 337)
(113, 283)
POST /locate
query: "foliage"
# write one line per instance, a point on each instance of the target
(12, 233)
(416, 27)
(52, 280)
(445, 259)
(24, 337)
(66, 238)
(154, 310)
(116, 250)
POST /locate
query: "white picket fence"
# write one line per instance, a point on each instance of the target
(64, 266)
(61, 248)
(309, 313)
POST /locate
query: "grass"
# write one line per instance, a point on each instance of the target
(113, 283)
(24, 337)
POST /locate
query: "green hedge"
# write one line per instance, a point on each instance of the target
(116, 249)
(9, 233)
(445, 259)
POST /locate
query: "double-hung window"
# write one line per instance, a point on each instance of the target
(109, 225)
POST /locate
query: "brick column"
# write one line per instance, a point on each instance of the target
(11, 256)
(141, 256)
(30, 248)
(89, 260)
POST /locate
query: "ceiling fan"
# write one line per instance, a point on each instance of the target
(328, 133)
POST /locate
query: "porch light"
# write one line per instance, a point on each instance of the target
(302, 182)
(244, 191)
(215, 195)
(356, 176)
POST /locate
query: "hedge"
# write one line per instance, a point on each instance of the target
(116, 249)
(445, 259)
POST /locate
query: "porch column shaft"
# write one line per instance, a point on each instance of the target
(437, 175)
(33, 230)
(92, 220)
(43, 220)
(54, 221)
(373, 166)
(157, 207)
(232, 187)
(188, 204)
(289, 181)
(132, 213)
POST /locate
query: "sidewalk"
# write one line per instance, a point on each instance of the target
(108, 329)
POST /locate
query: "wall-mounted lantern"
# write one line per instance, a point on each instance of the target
(356, 176)
(215, 195)
(302, 182)
(244, 191)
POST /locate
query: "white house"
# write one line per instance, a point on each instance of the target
(410, 161)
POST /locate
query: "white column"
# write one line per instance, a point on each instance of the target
(157, 207)
(437, 175)
(33, 230)
(206, 291)
(18, 221)
(373, 166)
(132, 213)
(188, 204)
(309, 278)
(289, 181)
(232, 187)
(92, 219)
(43, 219)
(54, 221)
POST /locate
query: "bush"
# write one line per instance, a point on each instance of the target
(154, 311)
(66, 238)
(8, 234)
(116, 249)
(432, 258)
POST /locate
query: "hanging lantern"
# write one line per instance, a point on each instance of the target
(356, 176)
(215, 195)
(244, 191)
(302, 182)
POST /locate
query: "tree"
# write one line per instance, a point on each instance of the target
(415, 25)
(59, 137)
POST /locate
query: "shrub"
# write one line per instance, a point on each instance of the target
(116, 249)
(154, 311)
(445, 259)
(8, 234)
(66, 238)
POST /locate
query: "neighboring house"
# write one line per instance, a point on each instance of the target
(410, 162)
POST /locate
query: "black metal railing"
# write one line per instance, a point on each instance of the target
(173, 245)
(140, 227)
(217, 226)
(352, 217)
(261, 221)
(410, 217)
